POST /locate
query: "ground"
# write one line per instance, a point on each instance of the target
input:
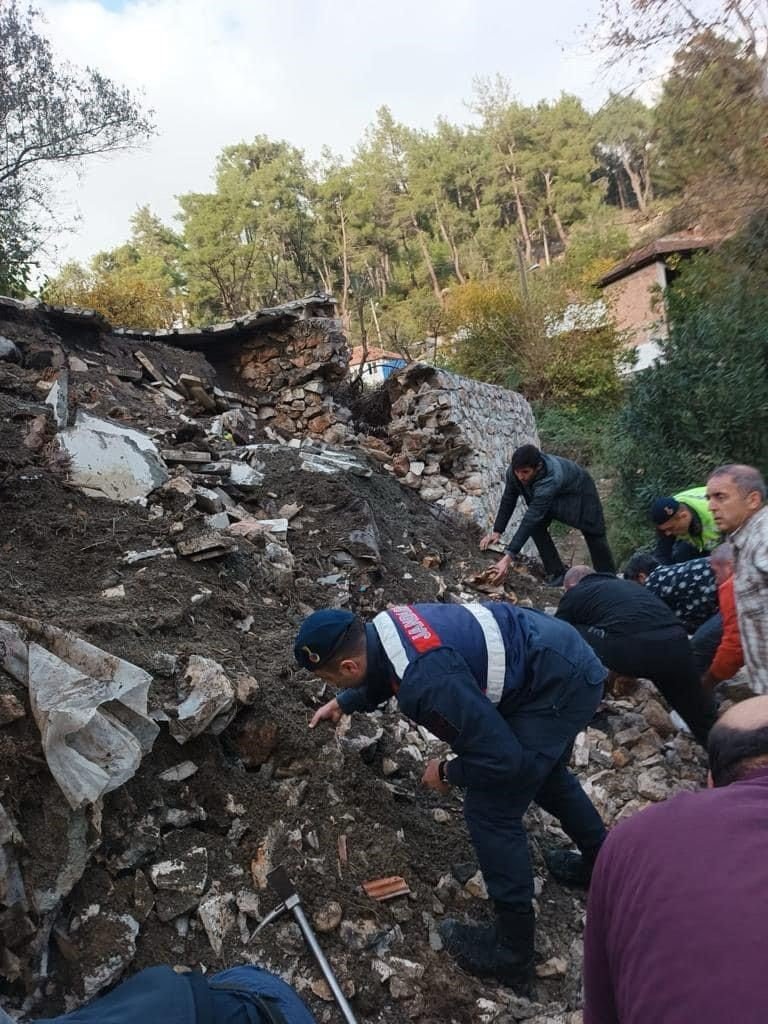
(336, 807)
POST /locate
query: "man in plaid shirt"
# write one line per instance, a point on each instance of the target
(736, 496)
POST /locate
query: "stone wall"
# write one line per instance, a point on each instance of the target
(451, 438)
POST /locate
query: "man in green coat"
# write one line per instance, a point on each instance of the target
(685, 527)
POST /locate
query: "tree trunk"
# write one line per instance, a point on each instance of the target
(636, 181)
(551, 208)
(344, 263)
(427, 259)
(522, 219)
(621, 189)
(545, 241)
(448, 239)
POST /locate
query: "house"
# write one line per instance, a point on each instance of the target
(378, 366)
(633, 289)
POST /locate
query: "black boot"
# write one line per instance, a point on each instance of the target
(503, 951)
(570, 867)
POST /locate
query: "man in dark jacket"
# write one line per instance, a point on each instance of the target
(679, 899)
(635, 634)
(160, 995)
(509, 689)
(552, 488)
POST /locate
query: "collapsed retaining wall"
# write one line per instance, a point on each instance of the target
(451, 438)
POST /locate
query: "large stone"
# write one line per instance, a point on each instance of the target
(210, 694)
(111, 461)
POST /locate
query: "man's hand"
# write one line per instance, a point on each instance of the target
(431, 777)
(330, 712)
(500, 569)
(488, 539)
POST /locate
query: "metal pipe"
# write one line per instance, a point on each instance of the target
(325, 967)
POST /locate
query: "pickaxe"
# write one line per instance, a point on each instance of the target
(281, 884)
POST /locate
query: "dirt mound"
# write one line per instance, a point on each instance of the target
(171, 868)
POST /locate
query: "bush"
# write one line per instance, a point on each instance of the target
(706, 401)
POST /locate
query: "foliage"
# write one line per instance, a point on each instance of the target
(706, 401)
(50, 114)
(579, 432)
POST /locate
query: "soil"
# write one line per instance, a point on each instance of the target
(303, 796)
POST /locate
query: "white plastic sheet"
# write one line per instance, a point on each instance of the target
(90, 706)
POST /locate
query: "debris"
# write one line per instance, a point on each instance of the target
(9, 353)
(195, 388)
(246, 688)
(125, 372)
(243, 475)
(11, 708)
(217, 915)
(381, 889)
(58, 399)
(150, 367)
(210, 696)
(179, 772)
(186, 874)
(111, 461)
(112, 593)
(134, 557)
(89, 749)
(476, 887)
(180, 455)
(205, 545)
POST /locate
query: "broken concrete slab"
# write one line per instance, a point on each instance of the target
(243, 475)
(90, 706)
(150, 367)
(179, 455)
(111, 461)
(210, 695)
(211, 544)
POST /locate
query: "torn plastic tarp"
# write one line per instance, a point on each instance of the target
(90, 706)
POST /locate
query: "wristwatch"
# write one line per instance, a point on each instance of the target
(441, 773)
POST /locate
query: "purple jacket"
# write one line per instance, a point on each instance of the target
(677, 919)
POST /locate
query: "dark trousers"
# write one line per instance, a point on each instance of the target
(665, 657)
(705, 642)
(599, 552)
(545, 724)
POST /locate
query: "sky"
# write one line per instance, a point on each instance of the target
(313, 72)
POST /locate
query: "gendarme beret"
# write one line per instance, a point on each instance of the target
(663, 509)
(320, 635)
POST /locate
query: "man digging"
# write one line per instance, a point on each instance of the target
(508, 689)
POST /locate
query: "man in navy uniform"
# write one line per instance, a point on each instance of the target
(509, 689)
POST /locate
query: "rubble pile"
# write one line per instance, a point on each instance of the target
(146, 641)
(450, 438)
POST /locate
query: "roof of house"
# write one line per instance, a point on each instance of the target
(684, 242)
(374, 355)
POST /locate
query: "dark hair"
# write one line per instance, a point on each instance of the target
(350, 645)
(527, 456)
(642, 562)
(734, 753)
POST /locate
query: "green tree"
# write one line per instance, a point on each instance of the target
(705, 402)
(50, 114)
(623, 138)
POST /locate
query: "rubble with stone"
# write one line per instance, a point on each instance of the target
(195, 574)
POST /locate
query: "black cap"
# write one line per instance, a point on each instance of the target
(320, 635)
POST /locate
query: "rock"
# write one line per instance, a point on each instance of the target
(328, 917)
(171, 905)
(554, 967)
(441, 816)
(255, 741)
(476, 887)
(164, 664)
(210, 696)
(246, 689)
(217, 914)
(9, 353)
(113, 593)
(11, 708)
(187, 874)
(653, 784)
(109, 460)
(658, 718)
(110, 937)
(322, 990)
(179, 772)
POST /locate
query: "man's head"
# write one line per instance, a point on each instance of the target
(734, 494)
(640, 566)
(525, 462)
(738, 743)
(722, 563)
(331, 644)
(672, 517)
(575, 575)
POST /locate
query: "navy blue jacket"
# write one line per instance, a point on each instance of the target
(460, 685)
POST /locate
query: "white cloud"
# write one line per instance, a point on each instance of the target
(310, 71)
